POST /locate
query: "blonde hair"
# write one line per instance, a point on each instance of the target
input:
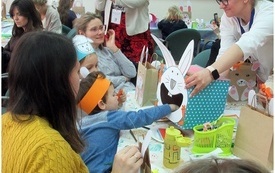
(174, 13)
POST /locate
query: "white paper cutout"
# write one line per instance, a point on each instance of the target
(252, 99)
(270, 107)
(171, 88)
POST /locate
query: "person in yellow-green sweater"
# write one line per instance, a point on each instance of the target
(39, 131)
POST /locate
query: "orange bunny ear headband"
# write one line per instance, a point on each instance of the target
(94, 94)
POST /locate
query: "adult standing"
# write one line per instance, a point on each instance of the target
(246, 32)
(130, 21)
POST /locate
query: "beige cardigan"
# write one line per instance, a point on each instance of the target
(136, 11)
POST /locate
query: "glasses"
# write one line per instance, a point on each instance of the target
(98, 28)
(224, 2)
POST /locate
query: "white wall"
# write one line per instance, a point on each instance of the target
(202, 9)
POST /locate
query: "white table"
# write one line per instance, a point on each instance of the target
(156, 147)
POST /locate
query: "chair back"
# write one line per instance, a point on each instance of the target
(65, 29)
(72, 33)
(202, 58)
(178, 40)
(5, 93)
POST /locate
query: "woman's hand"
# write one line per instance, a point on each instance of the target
(199, 79)
(127, 160)
(110, 41)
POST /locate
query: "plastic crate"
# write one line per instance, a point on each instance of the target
(221, 137)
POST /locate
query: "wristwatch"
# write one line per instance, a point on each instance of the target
(214, 72)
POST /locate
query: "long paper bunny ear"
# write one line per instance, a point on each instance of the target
(142, 54)
(169, 60)
(186, 58)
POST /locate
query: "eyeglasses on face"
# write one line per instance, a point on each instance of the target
(224, 2)
(98, 28)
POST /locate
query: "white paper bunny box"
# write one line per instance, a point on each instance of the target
(206, 106)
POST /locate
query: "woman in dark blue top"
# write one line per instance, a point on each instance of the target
(67, 16)
(172, 22)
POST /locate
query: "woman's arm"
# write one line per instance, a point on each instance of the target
(203, 78)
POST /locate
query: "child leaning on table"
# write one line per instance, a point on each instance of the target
(101, 127)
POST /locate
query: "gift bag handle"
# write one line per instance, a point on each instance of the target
(255, 106)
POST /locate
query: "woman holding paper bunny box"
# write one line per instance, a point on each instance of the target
(246, 33)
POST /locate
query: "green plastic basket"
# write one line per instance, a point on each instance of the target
(221, 137)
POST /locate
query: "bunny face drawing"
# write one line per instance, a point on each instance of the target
(243, 79)
(171, 88)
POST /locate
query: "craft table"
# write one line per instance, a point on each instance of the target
(156, 144)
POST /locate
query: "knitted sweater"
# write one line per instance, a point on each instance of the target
(34, 146)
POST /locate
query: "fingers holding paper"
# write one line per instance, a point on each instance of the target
(127, 160)
(199, 79)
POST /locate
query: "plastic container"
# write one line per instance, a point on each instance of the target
(173, 142)
(220, 137)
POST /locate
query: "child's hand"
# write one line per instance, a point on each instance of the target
(173, 107)
(121, 97)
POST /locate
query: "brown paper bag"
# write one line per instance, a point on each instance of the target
(254, 136)
(146, 85)
(242, 80)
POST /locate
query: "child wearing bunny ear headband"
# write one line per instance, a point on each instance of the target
(101, 127)
(85, 53)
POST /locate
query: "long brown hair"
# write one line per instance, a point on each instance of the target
(28, 10)
(63, 10)
(39, 83)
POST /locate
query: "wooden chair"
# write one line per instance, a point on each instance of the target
(5, 94)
